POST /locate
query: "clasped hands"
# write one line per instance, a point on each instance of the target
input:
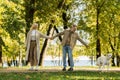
(51, 38)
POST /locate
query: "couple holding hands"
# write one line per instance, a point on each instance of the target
(68, 42)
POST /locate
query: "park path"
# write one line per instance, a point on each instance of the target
(52, 69)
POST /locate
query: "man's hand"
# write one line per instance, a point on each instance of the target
(51, 38)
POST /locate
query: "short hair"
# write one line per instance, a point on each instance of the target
(74, 25)
(34, 26)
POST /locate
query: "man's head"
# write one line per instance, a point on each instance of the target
(73, 28)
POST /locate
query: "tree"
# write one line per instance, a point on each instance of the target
(29, 13)
(95, 17)
(49, 31)
(11, 22)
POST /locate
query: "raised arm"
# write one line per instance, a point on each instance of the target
(44, 36)
(59, 34)
(82, 41)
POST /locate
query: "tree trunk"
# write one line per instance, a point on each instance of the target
(29, 13)
(98, 46)
(65, 21)
(98, 10)
(60, 38)
(44, 46)
(118, 59)
(118, 47)
(0, 54)
(113, 50)
(113, 57)
(1, 43)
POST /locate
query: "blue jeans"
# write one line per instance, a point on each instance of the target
(67, 49)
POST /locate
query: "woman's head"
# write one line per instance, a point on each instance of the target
(34, 26)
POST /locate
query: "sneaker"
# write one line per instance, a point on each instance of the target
(64, 69)
(30, 69)
(36, 69)
(70, 69)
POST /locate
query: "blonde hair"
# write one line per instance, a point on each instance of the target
(34, 26)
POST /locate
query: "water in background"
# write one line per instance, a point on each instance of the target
(76, 63)
(79, 61)
(49, 61)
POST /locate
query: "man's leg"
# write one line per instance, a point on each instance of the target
(70, 58)
(64, 57)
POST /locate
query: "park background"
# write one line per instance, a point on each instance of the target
(98, 24)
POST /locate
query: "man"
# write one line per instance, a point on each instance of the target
(69, 40)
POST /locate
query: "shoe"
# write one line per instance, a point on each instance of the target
(30, 69)
(36, 69)
(64, 69)
(70, 69)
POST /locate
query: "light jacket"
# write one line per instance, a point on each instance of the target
(74, 38)
(28, 40)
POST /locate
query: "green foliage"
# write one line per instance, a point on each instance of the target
(13, 22)
(108, 22)
(12, 27)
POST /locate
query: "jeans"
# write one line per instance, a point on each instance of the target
(67, 49)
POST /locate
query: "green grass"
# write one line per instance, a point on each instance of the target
(60, 75)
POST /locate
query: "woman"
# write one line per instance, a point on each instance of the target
(33, 46)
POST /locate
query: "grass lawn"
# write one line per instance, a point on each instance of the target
(60, 75)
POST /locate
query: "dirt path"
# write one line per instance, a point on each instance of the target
(53, 69)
